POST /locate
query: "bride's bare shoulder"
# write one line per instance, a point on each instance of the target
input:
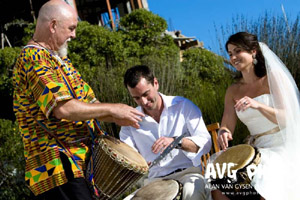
(234, 87)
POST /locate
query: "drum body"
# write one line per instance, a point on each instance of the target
(160, 190)
(116, 166)
(242, 156)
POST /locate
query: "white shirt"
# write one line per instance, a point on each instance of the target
(179, 115)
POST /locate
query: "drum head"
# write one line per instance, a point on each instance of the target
(159, 190)
(123, 153)
(241, 155)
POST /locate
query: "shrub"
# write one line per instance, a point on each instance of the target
(12, 163)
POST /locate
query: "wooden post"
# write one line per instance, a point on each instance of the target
(110, 14)
(73, 4)
(7, 41)
(140, 4)
(2, 40)
(132, 5)
(32, 11)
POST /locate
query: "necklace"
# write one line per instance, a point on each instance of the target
(38, 43)
(53, 52)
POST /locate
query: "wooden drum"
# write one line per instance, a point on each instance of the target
(116, 167)
(160, 190)
(242, 156)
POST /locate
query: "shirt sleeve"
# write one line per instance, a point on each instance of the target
(46, 85)
(126, 136)
(198, 132)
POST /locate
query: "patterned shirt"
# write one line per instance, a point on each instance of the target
(38, 87)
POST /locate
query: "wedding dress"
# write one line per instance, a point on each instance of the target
(269, 179)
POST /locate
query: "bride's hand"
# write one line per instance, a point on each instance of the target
(223, 138)
(245, 103)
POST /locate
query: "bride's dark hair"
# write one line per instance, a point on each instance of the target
(249, 42)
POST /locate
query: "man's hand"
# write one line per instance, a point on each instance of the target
(125, 115)
(161, 144)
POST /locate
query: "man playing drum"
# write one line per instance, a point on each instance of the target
(56, 109)
(167, 117)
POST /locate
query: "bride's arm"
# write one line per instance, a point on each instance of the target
(247, 102)
(229, 119)
(268, 112)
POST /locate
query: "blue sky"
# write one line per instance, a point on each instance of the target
(197, 17)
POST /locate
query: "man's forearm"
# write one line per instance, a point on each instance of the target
(189, 146)
(76, 110)
(119, 113)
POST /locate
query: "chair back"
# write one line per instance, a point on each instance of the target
(213, 130)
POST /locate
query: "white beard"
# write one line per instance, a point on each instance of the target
(63, 50)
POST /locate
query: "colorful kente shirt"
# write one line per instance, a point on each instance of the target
(38, 87)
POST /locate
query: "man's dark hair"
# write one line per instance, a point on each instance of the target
(134, 74)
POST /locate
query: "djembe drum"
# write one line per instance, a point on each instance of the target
(242, 156)
(116, 166)
(160, 190)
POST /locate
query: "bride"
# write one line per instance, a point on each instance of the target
(266, 100)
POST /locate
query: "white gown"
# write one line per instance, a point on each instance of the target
(269, 178)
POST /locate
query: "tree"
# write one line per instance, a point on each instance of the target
(7, 59)
(205, 82)
(12, 183)
(143, 27)
(96, 46)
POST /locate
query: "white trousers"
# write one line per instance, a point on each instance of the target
(194, 184)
